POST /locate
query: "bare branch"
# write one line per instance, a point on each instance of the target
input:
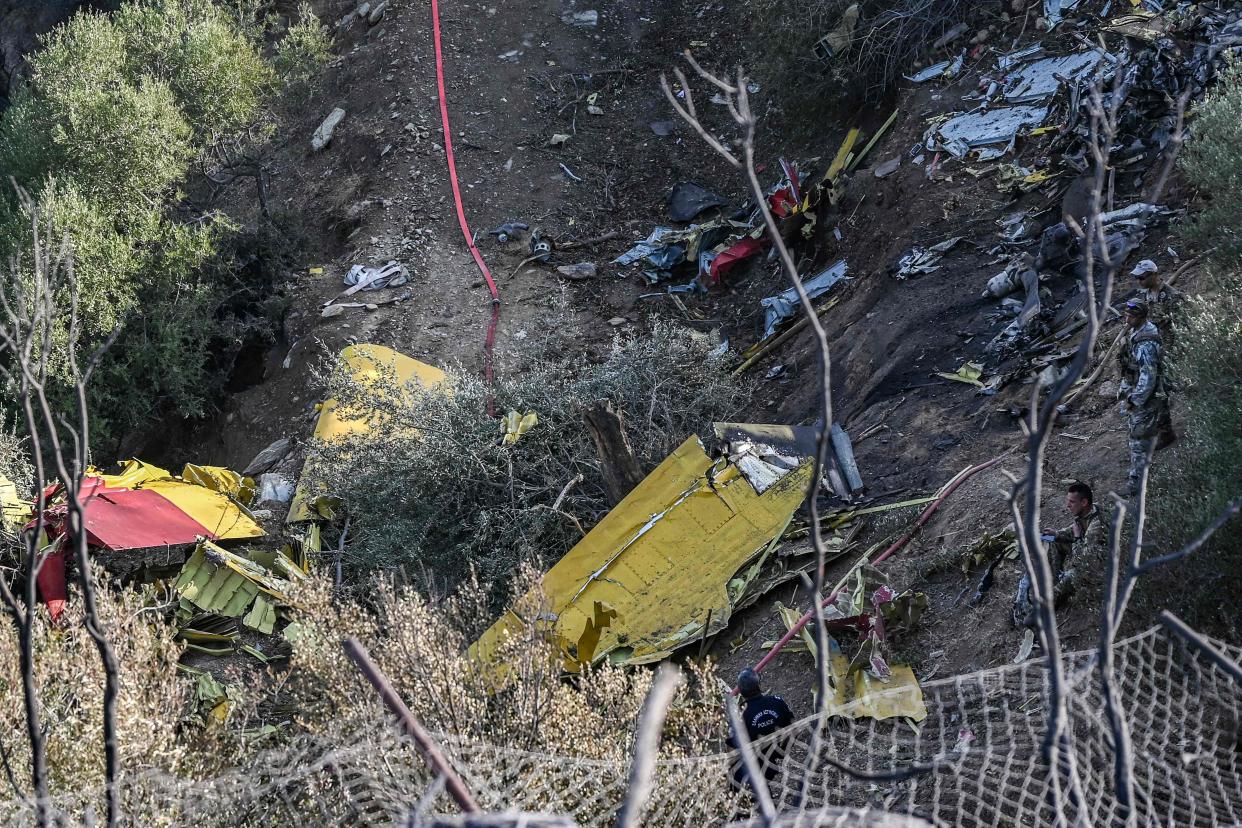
(1174, 149)
(647, 745)
(687, 114)
(1224, 517)
(1205, 648)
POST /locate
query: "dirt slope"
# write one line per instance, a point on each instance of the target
(519, 74)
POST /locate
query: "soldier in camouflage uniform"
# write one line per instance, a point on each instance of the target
(1162, 301)
(1145, 402)
(1085, 540)
(1163, 307)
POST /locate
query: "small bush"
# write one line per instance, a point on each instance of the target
(152, 709)
(432, 489)
(218, 78)
(304, 50)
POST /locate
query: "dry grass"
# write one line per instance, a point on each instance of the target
(152, 714)
(331, 740)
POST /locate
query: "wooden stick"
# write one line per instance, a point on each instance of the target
(410, 726)
(609, 236)
(1105, 361)
(783, 338)
(703, 644)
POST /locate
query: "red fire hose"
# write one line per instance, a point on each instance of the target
(918, 524)
(489, 342)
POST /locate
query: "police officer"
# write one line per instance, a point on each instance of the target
(762, 715)
(1144, 399)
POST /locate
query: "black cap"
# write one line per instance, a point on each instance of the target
(1137, 307)
(748, 683)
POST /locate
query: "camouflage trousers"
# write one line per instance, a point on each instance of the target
(1063, 587)
(1151, 427)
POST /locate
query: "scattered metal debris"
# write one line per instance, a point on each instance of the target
(944, 69)
(785, 304)
(924, 260)
(990, 133)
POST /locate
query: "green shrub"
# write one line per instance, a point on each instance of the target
(433, 489)
(219, 77)
(304, 49)
(1205, 472)
(1212, 162)
(117, 110)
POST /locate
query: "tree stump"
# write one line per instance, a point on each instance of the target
(616, 458)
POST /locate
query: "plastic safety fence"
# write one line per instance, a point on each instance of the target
(983, 732)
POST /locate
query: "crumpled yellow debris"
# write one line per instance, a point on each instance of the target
(221, 480)
(513, 425)
(970, 373)
(660, 560)
(856, 694)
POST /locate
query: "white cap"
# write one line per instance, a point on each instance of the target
(1144, 267)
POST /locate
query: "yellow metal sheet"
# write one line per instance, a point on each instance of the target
(660, 560)
(16, 512)
(205, 494)
(221, 479)
(860, 695)
(134, 473)
(215, 510)
(367, 363)
(842, 156)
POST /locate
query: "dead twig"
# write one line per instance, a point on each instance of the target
(1174, 147)
(573, 481)
(737, 102)
(1224, 517)
(34, 319)
(1204, 647)
(591, 242)
(1026, 496)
